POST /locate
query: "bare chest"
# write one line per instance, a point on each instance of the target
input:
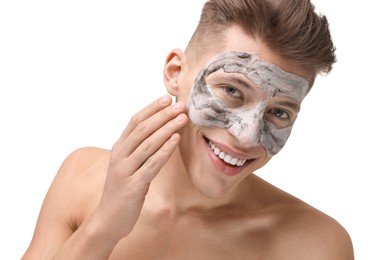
(192, 239)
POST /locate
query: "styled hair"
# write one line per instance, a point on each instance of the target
(290, 28)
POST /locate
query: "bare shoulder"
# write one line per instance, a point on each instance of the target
(307, 233)
(87, 164)
(79, 181)
(83, 173)
(85, 158)
(72, 196)
(300, 231)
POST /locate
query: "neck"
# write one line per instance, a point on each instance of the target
(173, 189)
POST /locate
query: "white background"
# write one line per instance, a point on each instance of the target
(73, 72)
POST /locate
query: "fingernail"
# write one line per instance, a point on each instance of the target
(176, 106)
(164, 100)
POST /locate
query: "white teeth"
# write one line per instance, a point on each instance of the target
(226, 157)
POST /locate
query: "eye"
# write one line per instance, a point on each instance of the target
(279, 113)
(229, 94)
(232, 91)
(281, 118)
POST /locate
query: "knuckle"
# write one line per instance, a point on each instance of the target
(140, 127)
(151, 163)
(146, 146)
(120, 170)
(115, 147)
(139, 184)
(135, 119)
(114, 156)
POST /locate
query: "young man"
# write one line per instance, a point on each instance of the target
(179, 182)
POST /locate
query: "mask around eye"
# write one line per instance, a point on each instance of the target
(220, 105)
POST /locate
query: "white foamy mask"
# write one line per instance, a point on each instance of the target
(246, 124)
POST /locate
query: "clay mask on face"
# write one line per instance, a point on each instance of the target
(246, 124)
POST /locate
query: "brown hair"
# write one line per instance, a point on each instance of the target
(290, 28)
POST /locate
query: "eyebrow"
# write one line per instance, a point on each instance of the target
(236, 80)
(240, 82)
(292, 105)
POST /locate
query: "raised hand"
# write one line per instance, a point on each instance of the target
(141, 151)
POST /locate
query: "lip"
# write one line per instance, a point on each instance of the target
(227, 169)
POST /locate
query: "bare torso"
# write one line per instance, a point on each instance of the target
(281, 227)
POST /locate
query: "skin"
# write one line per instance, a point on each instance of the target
(158, 194)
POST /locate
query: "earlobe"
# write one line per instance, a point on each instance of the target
(172, 71)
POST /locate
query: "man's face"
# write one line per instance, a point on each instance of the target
(220, 98)
(242, 102)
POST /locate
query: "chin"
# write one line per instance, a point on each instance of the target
(209, 174)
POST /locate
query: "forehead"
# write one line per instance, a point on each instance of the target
(264, 74)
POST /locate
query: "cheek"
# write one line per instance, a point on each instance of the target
(274, 139)
(205, 109)
(184, 93)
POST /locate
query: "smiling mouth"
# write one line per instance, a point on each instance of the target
(226, 158)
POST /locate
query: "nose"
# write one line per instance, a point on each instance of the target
(248, 135)
(248, 127)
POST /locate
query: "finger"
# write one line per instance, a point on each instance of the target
(151, 125)
(144, 114)
(156, 161)
(153, 143)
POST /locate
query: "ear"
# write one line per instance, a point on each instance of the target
(172, 71)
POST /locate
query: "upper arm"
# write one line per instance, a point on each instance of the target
(68, 201)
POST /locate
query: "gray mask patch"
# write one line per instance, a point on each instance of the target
(246, 124)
